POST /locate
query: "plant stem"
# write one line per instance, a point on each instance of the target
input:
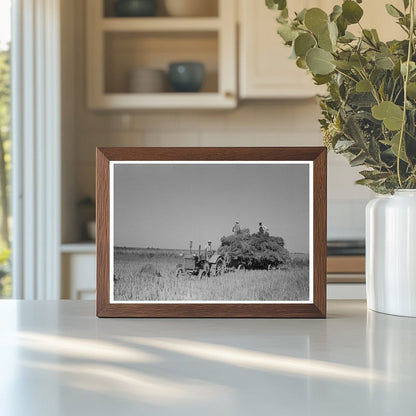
(406, 80)
(346, 75)
(373, 88)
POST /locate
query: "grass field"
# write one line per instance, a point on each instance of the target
(149, 275)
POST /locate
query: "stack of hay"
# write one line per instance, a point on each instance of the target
(253, 251)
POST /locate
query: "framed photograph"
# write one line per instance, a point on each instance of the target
(211, 232)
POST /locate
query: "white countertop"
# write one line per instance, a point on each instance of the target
(57, 358)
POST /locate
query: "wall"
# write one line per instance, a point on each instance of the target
(257, 123)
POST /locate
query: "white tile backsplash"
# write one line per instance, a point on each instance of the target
(346, 218)
(341, 180)
(216, 120)
(173, 138)
(148, 120)
(258, 123)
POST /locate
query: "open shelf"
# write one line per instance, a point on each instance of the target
(160, 24)
(210, 6)
(87, 247)
(127, 51)
(119, 45)
(168, 100)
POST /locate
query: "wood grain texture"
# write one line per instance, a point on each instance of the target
(103, 231)
(317, 309)
(345, 278)
(320, 229)
(346, 264)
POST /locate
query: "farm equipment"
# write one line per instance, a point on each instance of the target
(258, 251)
(238, 252)
(201, 264)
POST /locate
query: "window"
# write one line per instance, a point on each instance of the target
(5, 147)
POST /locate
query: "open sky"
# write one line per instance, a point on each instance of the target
(167, 205)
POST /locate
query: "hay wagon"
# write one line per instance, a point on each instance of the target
(245, 251)
(250, 263)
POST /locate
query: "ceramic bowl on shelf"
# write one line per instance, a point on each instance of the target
(191, 8)
(147, 81)
(135, 8)
(186, 76)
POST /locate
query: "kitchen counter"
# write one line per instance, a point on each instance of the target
(57, 358)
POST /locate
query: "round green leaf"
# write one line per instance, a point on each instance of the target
(324, 41)
(336, 12)
(394, 146)
(351, 11)
(363, 86)
(391, 114)
(316, 20)
(333, 32)
(342, 25)
(303, 43)
(344, 65)
(328, 38)
(301, 63)
(358, 61)
(301, 15)
(322, 79)
(411, 90)
(384, 62)
(287, 33)
(276, 4)
(347, 37)
(319, 61)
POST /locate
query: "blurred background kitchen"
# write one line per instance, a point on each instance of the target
(187, 73)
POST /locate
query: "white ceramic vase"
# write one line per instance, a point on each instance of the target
(391, 253)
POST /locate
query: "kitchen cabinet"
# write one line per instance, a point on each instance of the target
(265, 70)
(78, 263)
(118, 45)
(264, 65)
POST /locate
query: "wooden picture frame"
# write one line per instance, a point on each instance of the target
(110, 160)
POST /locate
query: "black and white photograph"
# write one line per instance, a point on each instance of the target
(211, 232)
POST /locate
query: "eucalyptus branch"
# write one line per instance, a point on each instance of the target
(392, 91)
(373, 88)
(406, 80)
(346, 75)
(369, 40)
(404, 28)
(381, 106)
(398, 95)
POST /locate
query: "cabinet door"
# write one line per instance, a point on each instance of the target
(265, 68)
(78, 276)
(376, 17)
